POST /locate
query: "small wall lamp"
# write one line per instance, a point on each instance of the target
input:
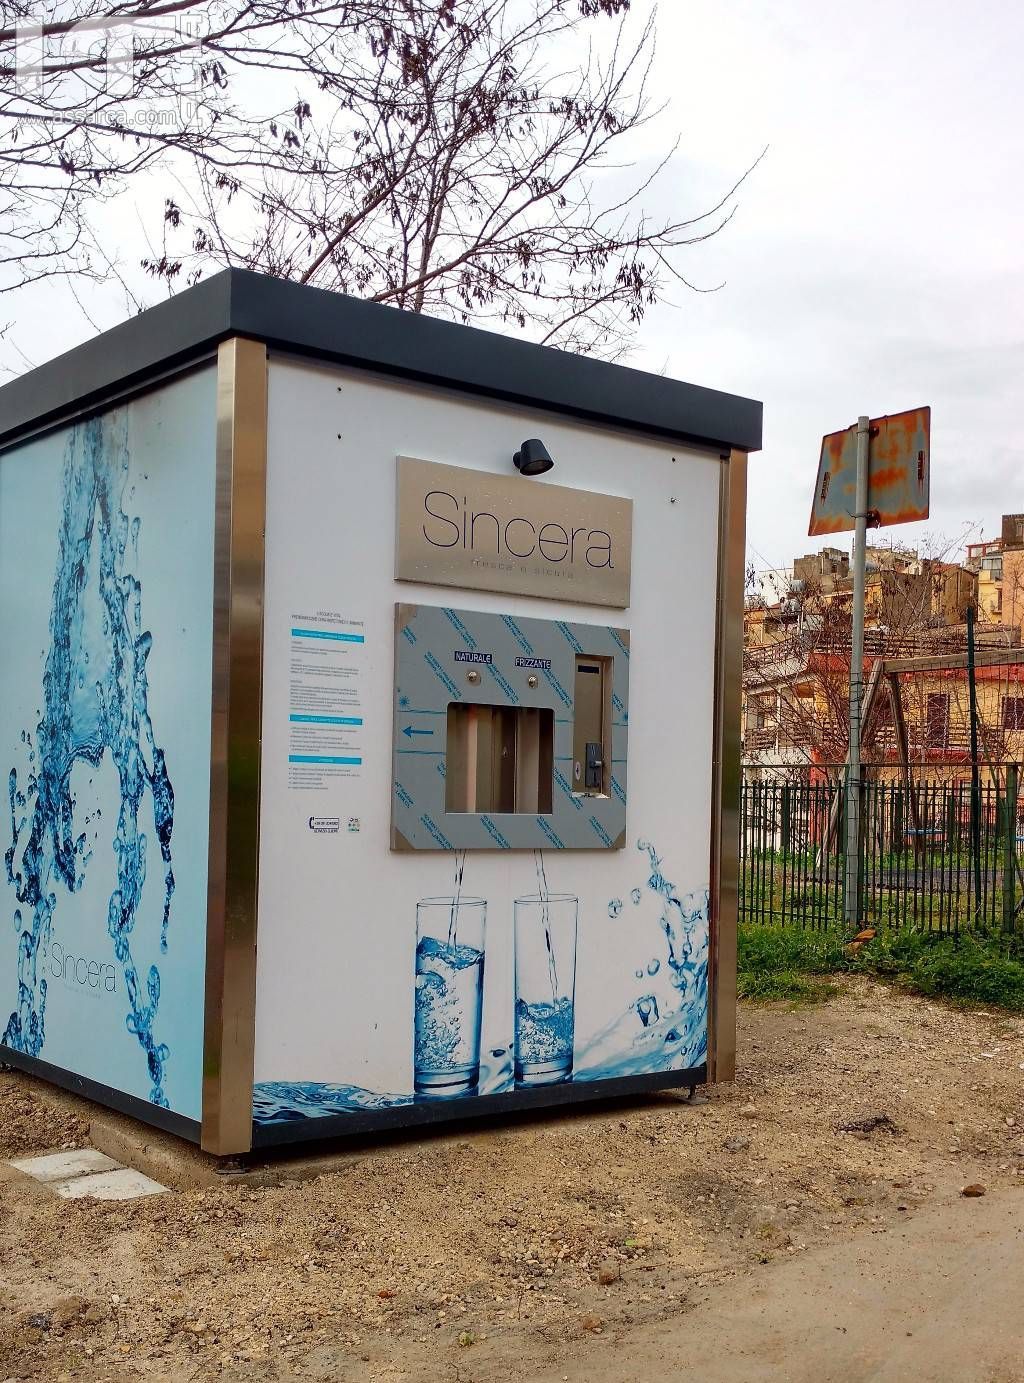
(532, 458)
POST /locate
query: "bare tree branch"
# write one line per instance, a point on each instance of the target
(424, 153)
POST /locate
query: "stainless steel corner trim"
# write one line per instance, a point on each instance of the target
(241, 487)
(725, 823)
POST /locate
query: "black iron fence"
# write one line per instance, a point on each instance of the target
(930, 857)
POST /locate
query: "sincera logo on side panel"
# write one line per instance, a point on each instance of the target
(85, 973)
(480, 530)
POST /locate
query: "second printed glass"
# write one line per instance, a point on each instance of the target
(449, 995)
(545, 948)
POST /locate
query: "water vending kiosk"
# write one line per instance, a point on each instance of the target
(369, 714)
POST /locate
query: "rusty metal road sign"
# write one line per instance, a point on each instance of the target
(898, 474)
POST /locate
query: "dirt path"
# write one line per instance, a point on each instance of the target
(481, 1256)
(934, 1300)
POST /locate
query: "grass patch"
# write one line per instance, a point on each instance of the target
(776, 986)
(968, 969)
(790, 964)
(775, 949)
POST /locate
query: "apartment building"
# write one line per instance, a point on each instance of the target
(797, 651)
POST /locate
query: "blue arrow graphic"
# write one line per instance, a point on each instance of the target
(409, 732)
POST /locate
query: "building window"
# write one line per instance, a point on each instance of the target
(762, 722)
(1013, 712)
(937, 726)
(764, 712)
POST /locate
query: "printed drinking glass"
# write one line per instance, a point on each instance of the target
(545, 987)
(449, 996)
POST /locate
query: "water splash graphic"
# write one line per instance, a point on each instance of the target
(672, 1024)
(279, 1101)
(95, 702)
(647, 1009)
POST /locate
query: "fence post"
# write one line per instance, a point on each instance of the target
(1010, 850)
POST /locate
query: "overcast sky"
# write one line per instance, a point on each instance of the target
(874, 263)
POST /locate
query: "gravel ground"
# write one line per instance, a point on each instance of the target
(848, 1115)
(28, 1124)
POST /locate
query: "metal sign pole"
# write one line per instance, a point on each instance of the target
(853, 794)
(972, 690)
(898, 448)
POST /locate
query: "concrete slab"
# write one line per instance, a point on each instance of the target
(172, 1161)
(61, 1166)
(124, 1184)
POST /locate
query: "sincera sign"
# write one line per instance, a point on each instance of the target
(479, 530)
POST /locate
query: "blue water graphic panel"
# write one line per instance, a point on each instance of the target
(106, 562)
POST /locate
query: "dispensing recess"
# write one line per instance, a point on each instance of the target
(592, 726)
(499, 758)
